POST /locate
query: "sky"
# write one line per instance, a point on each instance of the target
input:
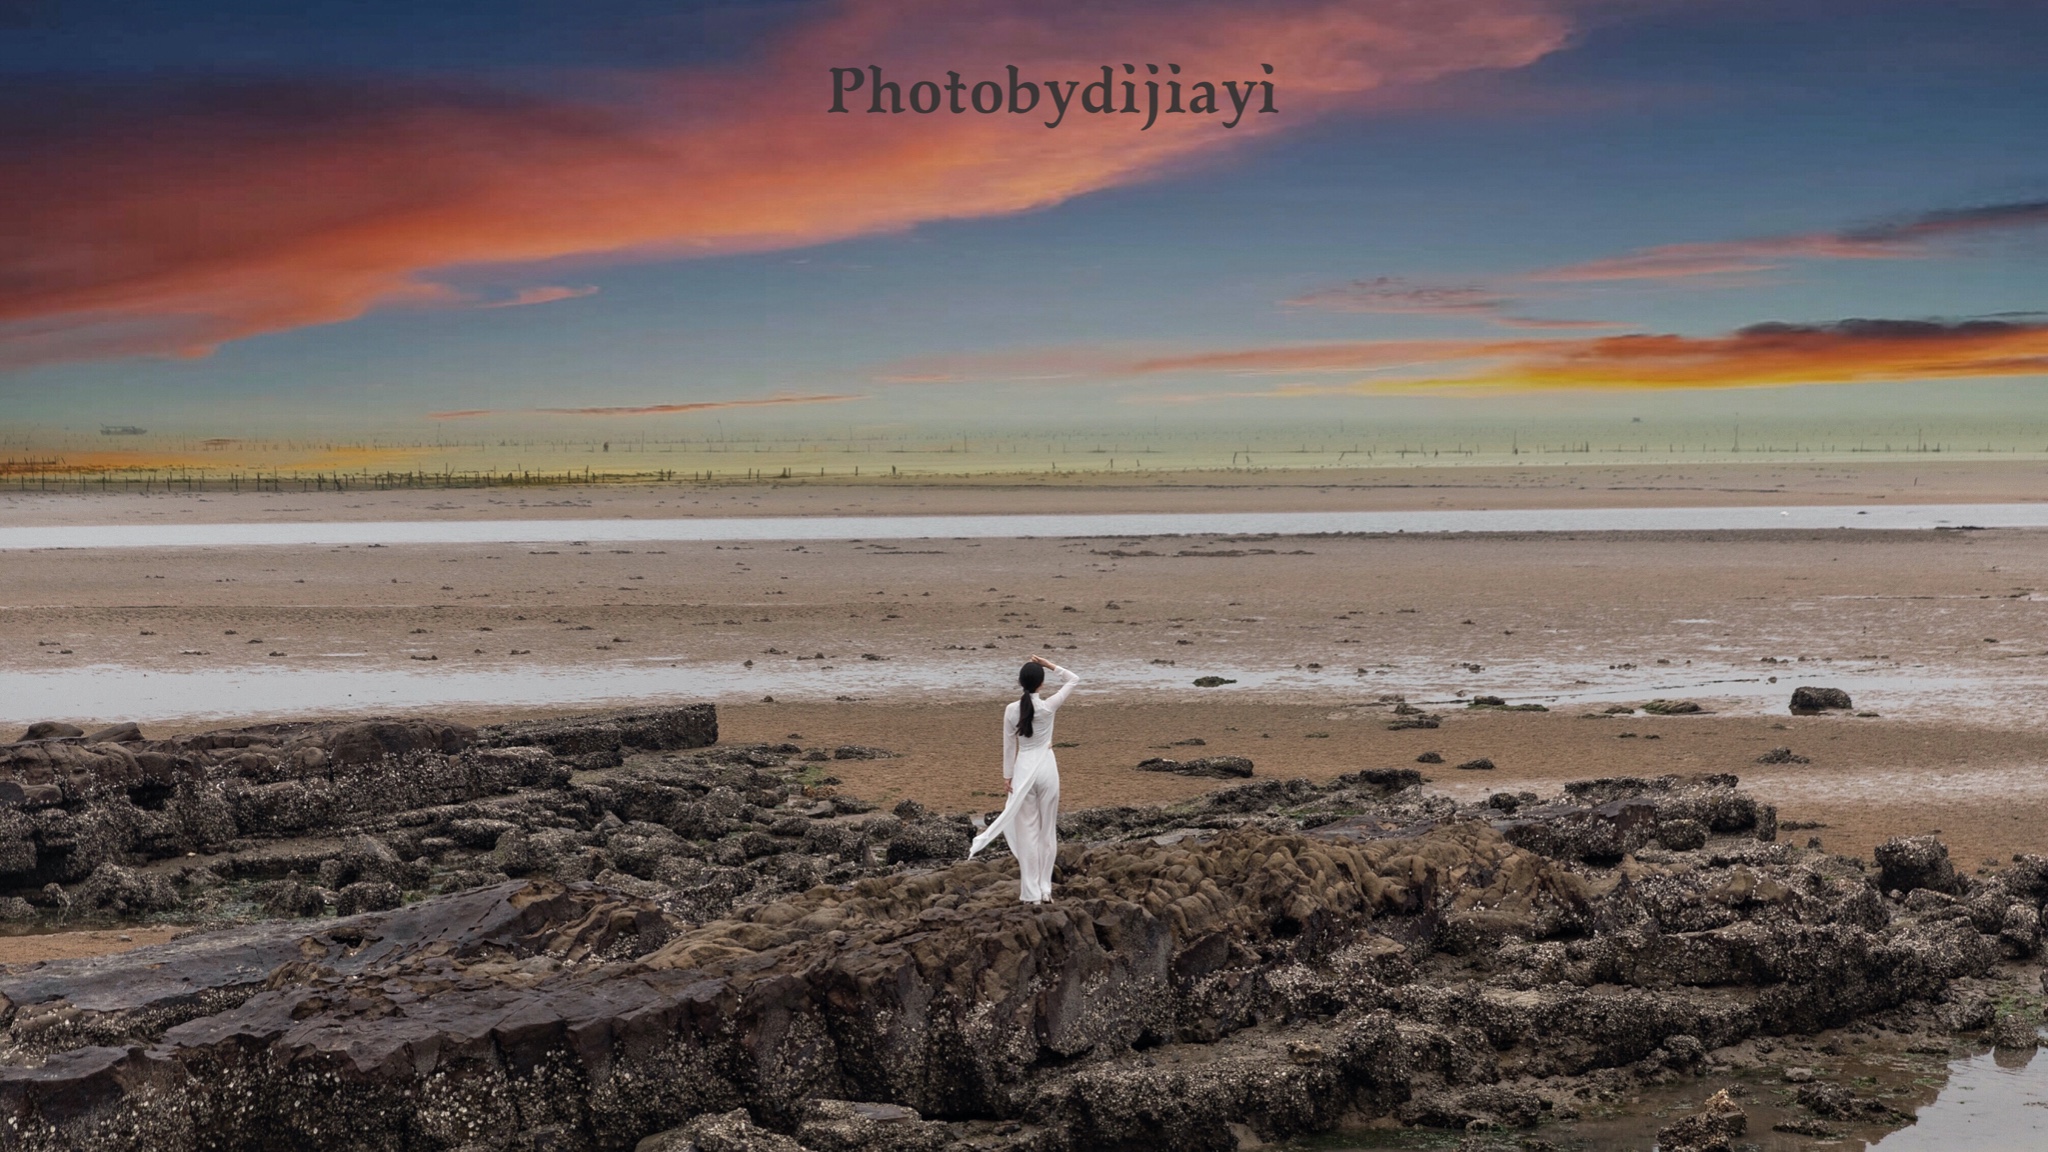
(633, 217)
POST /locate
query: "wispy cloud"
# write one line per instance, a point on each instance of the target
(169, 220)
(1759, 356)
(647, 409)
(1393, 296)
(545, 294)
(1906, 239)
(1025, 366)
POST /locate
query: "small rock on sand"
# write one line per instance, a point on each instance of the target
(1482, 764)
(1782, 756)
(861, 752)
(1212, 681)
(1221, 767)
(1430, 758)
(1809, 701)
(1672, 708)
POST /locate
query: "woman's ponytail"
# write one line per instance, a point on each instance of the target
(1030, 676)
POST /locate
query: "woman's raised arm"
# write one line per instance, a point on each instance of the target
(1060, 697)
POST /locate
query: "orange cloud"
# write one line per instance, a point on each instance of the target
(646, 409)
(1759, 356)
(181, 220)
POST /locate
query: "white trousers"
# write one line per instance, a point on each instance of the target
(1031, 821)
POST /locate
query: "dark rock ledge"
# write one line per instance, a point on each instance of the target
(760, 964)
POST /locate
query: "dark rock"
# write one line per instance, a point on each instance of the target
(290, 897)
(732, 1131)
(1602, 832)
(860, 752)
(1682, 835)
(127, 891)
(1482, 764)
(367, 896)
(1221, 767)
(52, 730)
(1805, 1127)
(1383, 781)
(1832, 1102)
(928, 840)
(854, 1126)
(2019, 932)
(1713, 1128)
(1807, 701)
(1969, 1012)
(1672, 708)
(1212, 681)
(372, 740)
(1430, 758)
(691, 726)
(2015, 1031)
(1782, 756)
(1258, 962)
(117, 734)
(1908, 862)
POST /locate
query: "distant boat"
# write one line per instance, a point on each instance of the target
(122, 430)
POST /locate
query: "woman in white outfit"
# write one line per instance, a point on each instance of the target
(1031, 816)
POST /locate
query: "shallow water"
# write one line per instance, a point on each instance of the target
(355, 682)
(1900, 517)
(1989, 1102)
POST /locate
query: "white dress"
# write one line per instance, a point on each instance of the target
(1031, 816)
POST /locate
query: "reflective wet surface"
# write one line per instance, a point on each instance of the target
(1909, 516)
(1983, 1102)
(341, 682)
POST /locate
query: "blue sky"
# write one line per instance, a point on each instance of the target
(1631, 128)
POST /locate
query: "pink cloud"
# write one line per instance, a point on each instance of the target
(192, 217)
(545, 294)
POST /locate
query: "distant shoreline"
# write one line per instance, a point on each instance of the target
(211, 499)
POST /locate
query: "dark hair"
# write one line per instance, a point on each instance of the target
(1030, 676)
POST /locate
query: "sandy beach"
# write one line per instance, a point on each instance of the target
(910, 645)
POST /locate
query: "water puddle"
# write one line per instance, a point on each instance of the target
(1988, 1102)
(1804, 518)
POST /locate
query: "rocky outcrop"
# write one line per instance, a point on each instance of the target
(711, 950)
(70, 806)
(1600, 821)
(607, 739)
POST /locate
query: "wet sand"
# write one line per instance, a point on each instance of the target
(1983, 789)
(31, 949)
